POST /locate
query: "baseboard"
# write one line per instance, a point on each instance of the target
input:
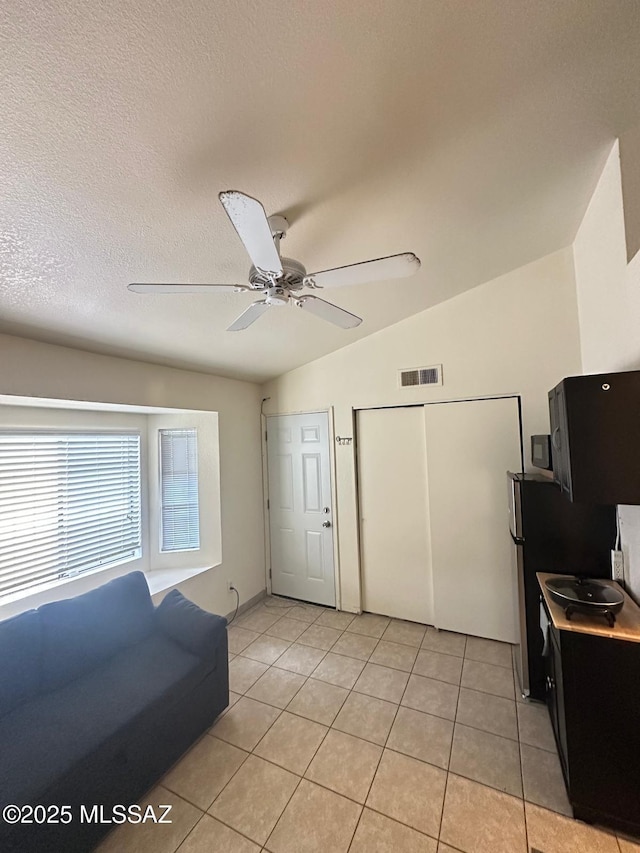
(247, 605)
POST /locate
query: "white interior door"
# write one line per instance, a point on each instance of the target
(470, 446)
(300, 512)
(394, 536)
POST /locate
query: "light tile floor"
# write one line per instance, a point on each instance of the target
(369, 735)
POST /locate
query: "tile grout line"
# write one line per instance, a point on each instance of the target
(295, 671)
(251, 752)
(352, 690)
(409, 672)
(384, 746)
(182, 796)
(204, 812)
(262, 845)
(240, 765)
(519, 759)
(301, 777)
(228, 825)
(524, 802)
(161, 784)
(281, 710)
(329, 729)
(191, 831)
(453, 733)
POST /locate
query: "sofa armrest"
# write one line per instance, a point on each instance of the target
(196, 630)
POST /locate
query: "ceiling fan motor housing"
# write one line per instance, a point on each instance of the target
(292, 277)
(276, 296)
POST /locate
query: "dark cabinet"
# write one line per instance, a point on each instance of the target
(595, 437)
(555, 699)
(593, 695)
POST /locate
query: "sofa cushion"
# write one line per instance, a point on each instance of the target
(20, 650)
(194, 629)
(43, 739)
(80, 633)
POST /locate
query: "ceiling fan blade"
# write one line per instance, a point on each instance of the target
(186, 288)
(252, 313)
(394, 266)
(328, 311)
(250, 221)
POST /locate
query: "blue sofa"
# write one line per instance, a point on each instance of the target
(99, 696)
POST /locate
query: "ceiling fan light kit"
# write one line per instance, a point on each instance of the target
(279, 279)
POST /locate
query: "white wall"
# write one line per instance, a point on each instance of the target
(517, 334)
(32, 369)
(608, 293)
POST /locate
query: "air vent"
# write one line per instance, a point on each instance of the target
(421, 376)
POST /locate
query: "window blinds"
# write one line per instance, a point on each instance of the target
(68, 503)
(179, 511)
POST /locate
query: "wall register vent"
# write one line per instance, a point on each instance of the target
(421, 376)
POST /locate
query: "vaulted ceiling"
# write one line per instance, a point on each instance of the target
(471, 133)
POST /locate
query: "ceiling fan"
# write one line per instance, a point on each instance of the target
(282, 280)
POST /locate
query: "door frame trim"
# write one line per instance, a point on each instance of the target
(329, 411)
(265, 498)
(438, 402)
(518, 398)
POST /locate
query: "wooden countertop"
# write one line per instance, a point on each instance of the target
(627, 625)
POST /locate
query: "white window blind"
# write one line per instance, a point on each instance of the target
(69, 503)
(179, 510)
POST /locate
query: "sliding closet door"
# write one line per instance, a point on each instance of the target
(470, 446)
(394, 535)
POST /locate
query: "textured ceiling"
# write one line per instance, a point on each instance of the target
(471, 133)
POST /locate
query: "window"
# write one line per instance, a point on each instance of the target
(179, 508)
(69, 503)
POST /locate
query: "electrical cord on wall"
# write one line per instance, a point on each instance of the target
(237, 604)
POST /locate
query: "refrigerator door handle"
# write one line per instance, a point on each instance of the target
(522, 649)
(515, 506)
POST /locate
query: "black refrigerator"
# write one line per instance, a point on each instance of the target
(550, 534)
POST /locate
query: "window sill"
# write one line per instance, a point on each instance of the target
(161, 580)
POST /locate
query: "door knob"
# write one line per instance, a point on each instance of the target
(326, 524)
